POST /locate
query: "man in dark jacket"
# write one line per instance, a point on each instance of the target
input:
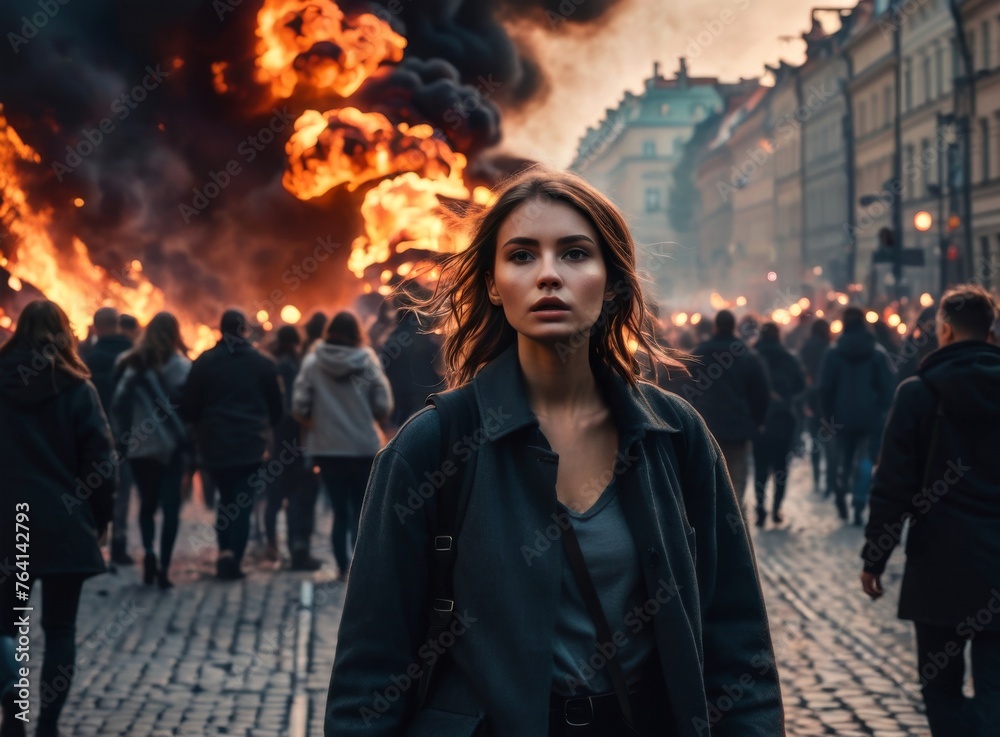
(938, 470)
(730, 390)
(233, 397)
(855, 388)
(100, 359)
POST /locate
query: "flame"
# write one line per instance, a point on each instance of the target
(350, 147)
(71, 279)
(312, 42)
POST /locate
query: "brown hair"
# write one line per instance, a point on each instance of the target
(477, 331)
(43, 327)
(160, 339)
(970, 310)
(345, 329)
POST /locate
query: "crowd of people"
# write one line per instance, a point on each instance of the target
(265, 421)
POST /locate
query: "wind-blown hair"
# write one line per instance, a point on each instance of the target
(44, 328)
(476, 331)
(160, 340)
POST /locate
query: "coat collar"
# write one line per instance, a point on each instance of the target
(503, 401)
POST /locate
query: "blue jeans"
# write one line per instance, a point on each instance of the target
(941, 662)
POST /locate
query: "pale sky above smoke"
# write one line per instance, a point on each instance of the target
(720, 38)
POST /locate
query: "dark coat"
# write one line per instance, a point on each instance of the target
(711, 632)
(811, 355)
(100, 359)
(787, 381)
(56, 456)
(233, 397)
(409, 357)
(953, 545)
(855, 384)
(728, 387)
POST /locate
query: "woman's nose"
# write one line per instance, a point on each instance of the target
(548, 276)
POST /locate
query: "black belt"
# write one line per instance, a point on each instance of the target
(582, 711)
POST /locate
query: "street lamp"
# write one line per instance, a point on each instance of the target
(923, 221)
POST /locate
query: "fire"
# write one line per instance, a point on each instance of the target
(349, 147)
(70, 279)
(312, 42)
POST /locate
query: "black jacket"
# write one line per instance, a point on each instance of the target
(953, 546)
(56, 456)
(233, 397)
(409, 358)
(728, 387)
(787, 381)
(855, 384)
(100, 359)
(711, 629)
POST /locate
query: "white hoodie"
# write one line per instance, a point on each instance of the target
(343, 390)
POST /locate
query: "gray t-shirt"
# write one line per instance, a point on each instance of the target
(608, 548)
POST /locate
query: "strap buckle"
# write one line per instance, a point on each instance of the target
(444, 605)
(443, 542)
(579, 712)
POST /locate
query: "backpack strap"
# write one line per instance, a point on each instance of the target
(459, 417)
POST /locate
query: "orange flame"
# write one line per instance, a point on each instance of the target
(70, 279)
(312, 42)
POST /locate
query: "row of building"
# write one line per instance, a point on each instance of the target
(744, 186)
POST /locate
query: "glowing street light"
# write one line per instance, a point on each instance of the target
(923, 221)
(872, 316)
(926, 300)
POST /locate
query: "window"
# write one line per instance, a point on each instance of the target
(649, 149)
(925, 166)
(908, 163)
(873, 109)
(984, 144)
(986, 41)
(862, 118)
(887, 105)
(665, 109)
(939, 71)
(927, 78)
(907, 87)
(652, 200)
(972, 50)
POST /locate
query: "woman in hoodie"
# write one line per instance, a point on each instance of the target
(153, 435)
(342, 396)
(58, 490)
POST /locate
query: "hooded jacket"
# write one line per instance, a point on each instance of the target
(342, 391)
(948, 489)
(705, 605)
(57, 458)
(855, 384)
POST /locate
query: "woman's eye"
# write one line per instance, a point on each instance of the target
(576, 254)
(521, 256)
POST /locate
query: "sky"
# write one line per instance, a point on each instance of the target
(720, 38)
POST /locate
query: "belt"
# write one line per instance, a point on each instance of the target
(586, 710)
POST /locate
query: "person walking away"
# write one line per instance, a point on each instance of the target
(938, 474)
(60, 473)
(920, 343)
(729, 389)
(295, 485)
(855, 388)
(811, 356)
(147, 395)
(410, 357)
(773, 447)
(343, 395)
(233, 398)
(104, 373)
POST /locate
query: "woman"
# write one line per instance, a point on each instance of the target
(154, 437)
(773, 447)
(546, 317)
(342, 396)
(59, 482)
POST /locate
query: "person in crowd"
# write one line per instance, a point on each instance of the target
(110, 343)
(939, 476)
(314, 328)
(154, 372)
(343, 396)
(233, 398)
(811, 356)
(409, 355)
(540, 314)
(920, 343)
(728, 387)
(855, 388)
(296, 484)
(773, 447)
(59, 482)
(130, 327)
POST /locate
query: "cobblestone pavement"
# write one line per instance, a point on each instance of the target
(247, 658)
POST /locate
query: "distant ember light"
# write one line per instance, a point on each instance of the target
(290, 314)
(772, 276)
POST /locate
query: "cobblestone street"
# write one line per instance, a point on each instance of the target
(247, 658)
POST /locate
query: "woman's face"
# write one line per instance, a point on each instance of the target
(548, 273)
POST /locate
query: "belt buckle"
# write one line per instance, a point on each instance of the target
(575, 709)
